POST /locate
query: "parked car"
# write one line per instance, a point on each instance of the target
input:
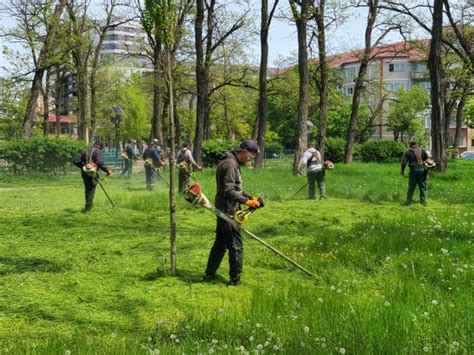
(467, 155)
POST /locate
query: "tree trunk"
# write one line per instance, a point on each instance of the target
(459, 121)
(47, 87)
(57, 101)
(301, 26)
(262, 79)
(27, 126)
(172, 160)
(81, 84)
(437, 101)
(200, 81)
(156, 122)
(359, 86)
(93, 105)
(324, 80)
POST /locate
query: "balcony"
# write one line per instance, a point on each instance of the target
(420, 75)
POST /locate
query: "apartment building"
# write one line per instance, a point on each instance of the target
(123, 44)
(393, 66)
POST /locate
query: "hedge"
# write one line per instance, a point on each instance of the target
(45, 155)
(382, 151)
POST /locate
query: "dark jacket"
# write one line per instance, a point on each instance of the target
(414, 158)
(93, 155)
(152, 152)
(229, 185)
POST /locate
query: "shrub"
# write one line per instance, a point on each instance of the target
(382, 151)
(46, 155)
(335, 149)
(214, 149)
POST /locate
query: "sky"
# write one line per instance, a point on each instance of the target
(282, 38)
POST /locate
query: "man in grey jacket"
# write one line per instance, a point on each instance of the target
(228, 199)
(311, 160)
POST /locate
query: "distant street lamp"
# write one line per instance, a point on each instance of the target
(116, 121)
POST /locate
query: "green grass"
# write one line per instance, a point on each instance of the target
(391, 279)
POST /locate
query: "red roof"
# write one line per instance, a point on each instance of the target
(413, 50)
(62, 119)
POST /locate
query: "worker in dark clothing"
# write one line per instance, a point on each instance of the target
(152, 161)
(186, 163)
(129, 155)
(228, 199)
(90, 161)
(415, 158)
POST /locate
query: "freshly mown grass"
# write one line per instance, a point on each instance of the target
(390, 279)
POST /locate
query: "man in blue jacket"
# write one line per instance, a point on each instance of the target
(152, 161)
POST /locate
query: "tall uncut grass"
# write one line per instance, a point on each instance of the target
(390, 279)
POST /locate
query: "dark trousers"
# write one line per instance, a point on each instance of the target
(313, 177)
(89, 186)
(227, 237)
(417, 177)
(183, 180)
(128, 168)
(150, 173)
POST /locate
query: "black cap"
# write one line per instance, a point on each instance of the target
(248, 145)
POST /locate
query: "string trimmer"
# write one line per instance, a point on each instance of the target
(242, 216)
(105, 181)
(194, 195)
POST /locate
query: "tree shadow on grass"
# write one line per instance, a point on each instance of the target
(22, 265)
(187, 276)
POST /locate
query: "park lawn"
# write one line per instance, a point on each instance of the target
(390, 279)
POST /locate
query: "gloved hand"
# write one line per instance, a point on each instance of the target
(252, 203)
(109, 172)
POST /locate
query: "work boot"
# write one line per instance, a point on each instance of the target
(85, 210)
(322, 198)
(208, 278)
(423, 203)
(233, 282)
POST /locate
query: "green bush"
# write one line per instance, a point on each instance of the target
(45, 155)
(214, 149)
(382, 151)
(335, 149)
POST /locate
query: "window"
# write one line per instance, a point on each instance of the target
(349, 73)
(396, 67)
(109, 46)
(111, 37)
(349, 90)
(419, 67)
(395, 86)
(129, 38)
(472, 142)
(426, 85)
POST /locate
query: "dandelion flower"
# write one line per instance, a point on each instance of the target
(173, 336)
(426, 349)
(455, 344)
(320, 300)
(434, 302)
(333, 288)
(67, 352)
(258, 325)
(250, 338)
(386, 304)
(342, 350)
(211, 351)
(214, 341)
(259, 346)
(306, 330)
